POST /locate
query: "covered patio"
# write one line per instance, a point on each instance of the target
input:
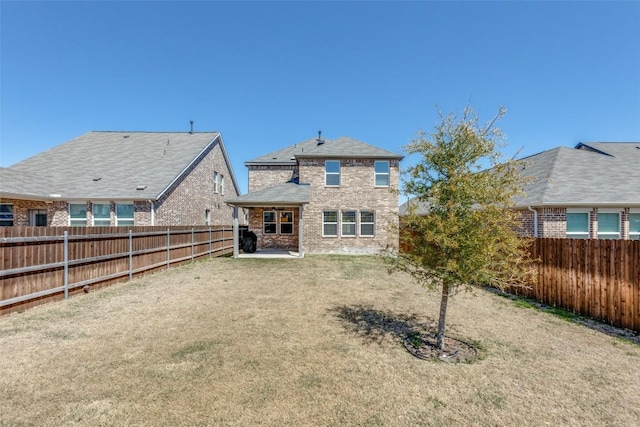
(272, 215)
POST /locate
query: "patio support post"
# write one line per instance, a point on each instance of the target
(300, 234)
(235, 232)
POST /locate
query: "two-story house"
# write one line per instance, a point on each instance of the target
(322, 196)
(122, 179)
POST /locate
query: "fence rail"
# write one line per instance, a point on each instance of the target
(592, 277)
(40, 264)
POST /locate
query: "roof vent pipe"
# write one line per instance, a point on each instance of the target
(320, 141)
(191, 121)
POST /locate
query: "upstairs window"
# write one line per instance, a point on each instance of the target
(124, 214)
(222, 184)
(578, 225)
(78, 214)
(608, 225)
(634, 226)
(381, 173)
(367, 223)
(215, 182)
(6, 215)
(269, 225)
(332, 173)
(101, 214)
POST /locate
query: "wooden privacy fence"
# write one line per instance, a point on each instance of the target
(40, 264)
(592, 277)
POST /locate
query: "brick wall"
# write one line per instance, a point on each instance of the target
(552, 222)
(356, 192)
(186, 202)
(527, 220)
(277, 240)
(268, 176)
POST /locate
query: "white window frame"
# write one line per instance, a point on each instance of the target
(361, 223)
(274, 222)
(215, 182)
(132, 219)
(13, 215)
(327, 174)
(93, 215)
(285, 222)
(610, 234)
(377, 174)
(33, 214)
(633, 235)
(222, 184)
(578, 234)
(207, 216)
(325, 223)
(353, 223)
(71, 220)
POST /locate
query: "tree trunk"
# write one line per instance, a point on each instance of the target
(443, 314)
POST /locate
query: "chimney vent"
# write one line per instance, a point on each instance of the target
(320, 141)
(191, 121)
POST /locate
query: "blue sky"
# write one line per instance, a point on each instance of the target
(270, 74)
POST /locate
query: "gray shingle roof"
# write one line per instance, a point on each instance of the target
(112, 165)
(338, 148)
(592, 174)
(289, 193)
(14, 182)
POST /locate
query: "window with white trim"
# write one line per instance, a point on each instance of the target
(207, 216)
(78, 214)
(101, 214)
(222, 184)
(578, 225)
(367, 223)
(124, 214)
(215, 182)
(634, 226)
(330, 223)
(348, 223)
(286, 222)
(269, 225)
(608, 225)
(332, 173)
(381, 173)
(6, 215)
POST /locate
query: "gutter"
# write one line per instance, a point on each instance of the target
(535, 221)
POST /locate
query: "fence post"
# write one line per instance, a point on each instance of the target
(130, 255)
(168, 248)
(192, 243)
(223, 247)
(66, 265)
(209, 242)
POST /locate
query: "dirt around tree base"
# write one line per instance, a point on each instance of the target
(425, 347)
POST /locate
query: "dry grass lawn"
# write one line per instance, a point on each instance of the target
(302, 342)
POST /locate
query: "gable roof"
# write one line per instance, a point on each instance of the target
(111, 165)
(343, 147)
(591, 174)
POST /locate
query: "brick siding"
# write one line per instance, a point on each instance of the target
(277, 240)
(267, 176)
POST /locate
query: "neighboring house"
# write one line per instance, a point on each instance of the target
(322, 196)
(122, 179)
(590, 191)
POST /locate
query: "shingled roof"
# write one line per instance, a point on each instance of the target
(591, 174)
(110, 165)
(343, 147)
(287, 194)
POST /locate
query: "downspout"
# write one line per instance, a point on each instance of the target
(153, 212)
(535, 221)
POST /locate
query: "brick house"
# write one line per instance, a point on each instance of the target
(322, 196)
(122, 179)
(589, 191)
